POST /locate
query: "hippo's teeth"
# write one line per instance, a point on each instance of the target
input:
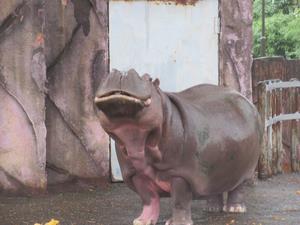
(147, 102)
(97, 99)
(120, 97)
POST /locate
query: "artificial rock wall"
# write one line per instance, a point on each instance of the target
(52, 56)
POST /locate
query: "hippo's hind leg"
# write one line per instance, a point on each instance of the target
(235, 201)
(150, 199)
(181, 197)
(214, 203)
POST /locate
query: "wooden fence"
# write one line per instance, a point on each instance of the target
(277, 96)
(270, 106)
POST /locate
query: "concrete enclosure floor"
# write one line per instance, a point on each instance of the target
(274, 202)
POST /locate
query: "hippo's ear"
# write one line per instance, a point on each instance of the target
(146, 76)
(156, 82)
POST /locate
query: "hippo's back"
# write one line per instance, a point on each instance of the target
(220, 103)
(204, 93)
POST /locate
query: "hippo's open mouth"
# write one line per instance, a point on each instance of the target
(121, 103)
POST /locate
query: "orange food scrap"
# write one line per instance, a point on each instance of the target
(298, 192)
(52, 222)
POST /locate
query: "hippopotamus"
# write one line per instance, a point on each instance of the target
(195, 144)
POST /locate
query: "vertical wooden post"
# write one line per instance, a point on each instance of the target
(279, 110)
(297, 133)
(269, 132)
(294, 152)
(273, 127)
(263, 164)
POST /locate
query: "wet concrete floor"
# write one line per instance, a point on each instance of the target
(275, 202)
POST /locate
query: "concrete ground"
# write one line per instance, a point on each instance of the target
(275, 202)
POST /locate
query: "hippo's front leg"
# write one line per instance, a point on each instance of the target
(181, 195)
(150, 199)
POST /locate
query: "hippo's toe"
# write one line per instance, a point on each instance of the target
(171, 222)
(140, 222)
(213, 208)
(235, 208)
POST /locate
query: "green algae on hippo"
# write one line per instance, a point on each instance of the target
(198, 143)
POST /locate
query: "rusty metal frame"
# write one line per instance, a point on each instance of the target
(282, 117)
(278, 84)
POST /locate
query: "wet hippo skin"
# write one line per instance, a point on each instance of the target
(198, 143)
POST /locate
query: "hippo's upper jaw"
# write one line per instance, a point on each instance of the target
(123, 96)
(120, 103)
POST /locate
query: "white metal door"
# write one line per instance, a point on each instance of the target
(175, 43)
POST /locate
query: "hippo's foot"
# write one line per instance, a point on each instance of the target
(235, 208)
(235, 201)
(149, 215)
(181, 195)
(171, 222)
(146, 189)
(214, 203)
(142, 222)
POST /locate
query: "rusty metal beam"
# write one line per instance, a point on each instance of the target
(282, 117)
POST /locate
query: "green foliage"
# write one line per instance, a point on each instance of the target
(282, 28)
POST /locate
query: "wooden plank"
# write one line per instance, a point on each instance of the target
(297, 133)
(294, 138)
(274, 129)
(269, 149)
(259, 73)
(295, 146)
(277, 68)
(292, 69)
(267, 68)
(280, 152)
(263, 163)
